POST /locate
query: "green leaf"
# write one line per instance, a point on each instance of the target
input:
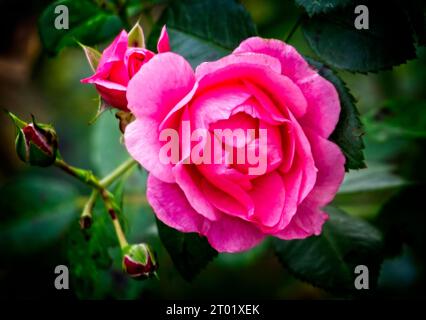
(403, 220)
(243, 259)
(400, 118)
(88, 255)
(376, 177)
(38, 211)
(349, 130)
(204, 30)
(364, 192)
(88, 24)
(189, 251)
(363, 205)
(328, 261)
(107, 151)
(314, 6)
(388, 42)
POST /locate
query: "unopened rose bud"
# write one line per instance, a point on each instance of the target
(35, 143)
(139, 261)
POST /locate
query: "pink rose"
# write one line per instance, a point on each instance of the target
(118, 64)
(262, 85)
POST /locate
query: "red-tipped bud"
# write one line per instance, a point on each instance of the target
(139, 261)
(36, 144)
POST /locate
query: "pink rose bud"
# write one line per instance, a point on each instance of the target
(36, 144)
(139, 261)
(118, 63)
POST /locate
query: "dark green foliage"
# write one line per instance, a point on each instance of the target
(88, 24)
(388, 42)
(189, 251)
(37, 212)
(329, 260)
(314, 6)
(204, 30)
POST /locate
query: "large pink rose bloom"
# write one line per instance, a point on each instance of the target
(118, 64)
(262, 84)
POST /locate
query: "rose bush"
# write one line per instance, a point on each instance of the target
(119, 63)
(263, 84)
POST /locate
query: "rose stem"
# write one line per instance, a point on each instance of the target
(90, 179)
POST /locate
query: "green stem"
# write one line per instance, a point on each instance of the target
(117, 172)
(85, 176)
(113, 212)
(86, 215)
(293, 30)
(100, 187)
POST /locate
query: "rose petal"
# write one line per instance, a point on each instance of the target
(306, 163)
(274, 154)
(113, 97)
(265, 104)
(160, 85)
(226, 195)
(259, 161)
(142, 142)
(224, 186)
(172, 207)
(105, 83)
(253, 108)
(216, 105)
(288, 146)
(324, 105)
(260, 71)
(309, 217)
(236, 123)
(118, 73)
(206, 69)
(189, 180)
(135, 58)
(163, 44)
(323, 108)
(233, 235)
(330, 162)
(116, 50)
(308, 221)
(268, 205)
(293, 184)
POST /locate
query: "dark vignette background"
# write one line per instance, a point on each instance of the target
(33, 82)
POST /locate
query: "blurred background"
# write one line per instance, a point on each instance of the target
(39, 208)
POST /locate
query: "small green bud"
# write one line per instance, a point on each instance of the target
(139, 261)
(36, 144)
